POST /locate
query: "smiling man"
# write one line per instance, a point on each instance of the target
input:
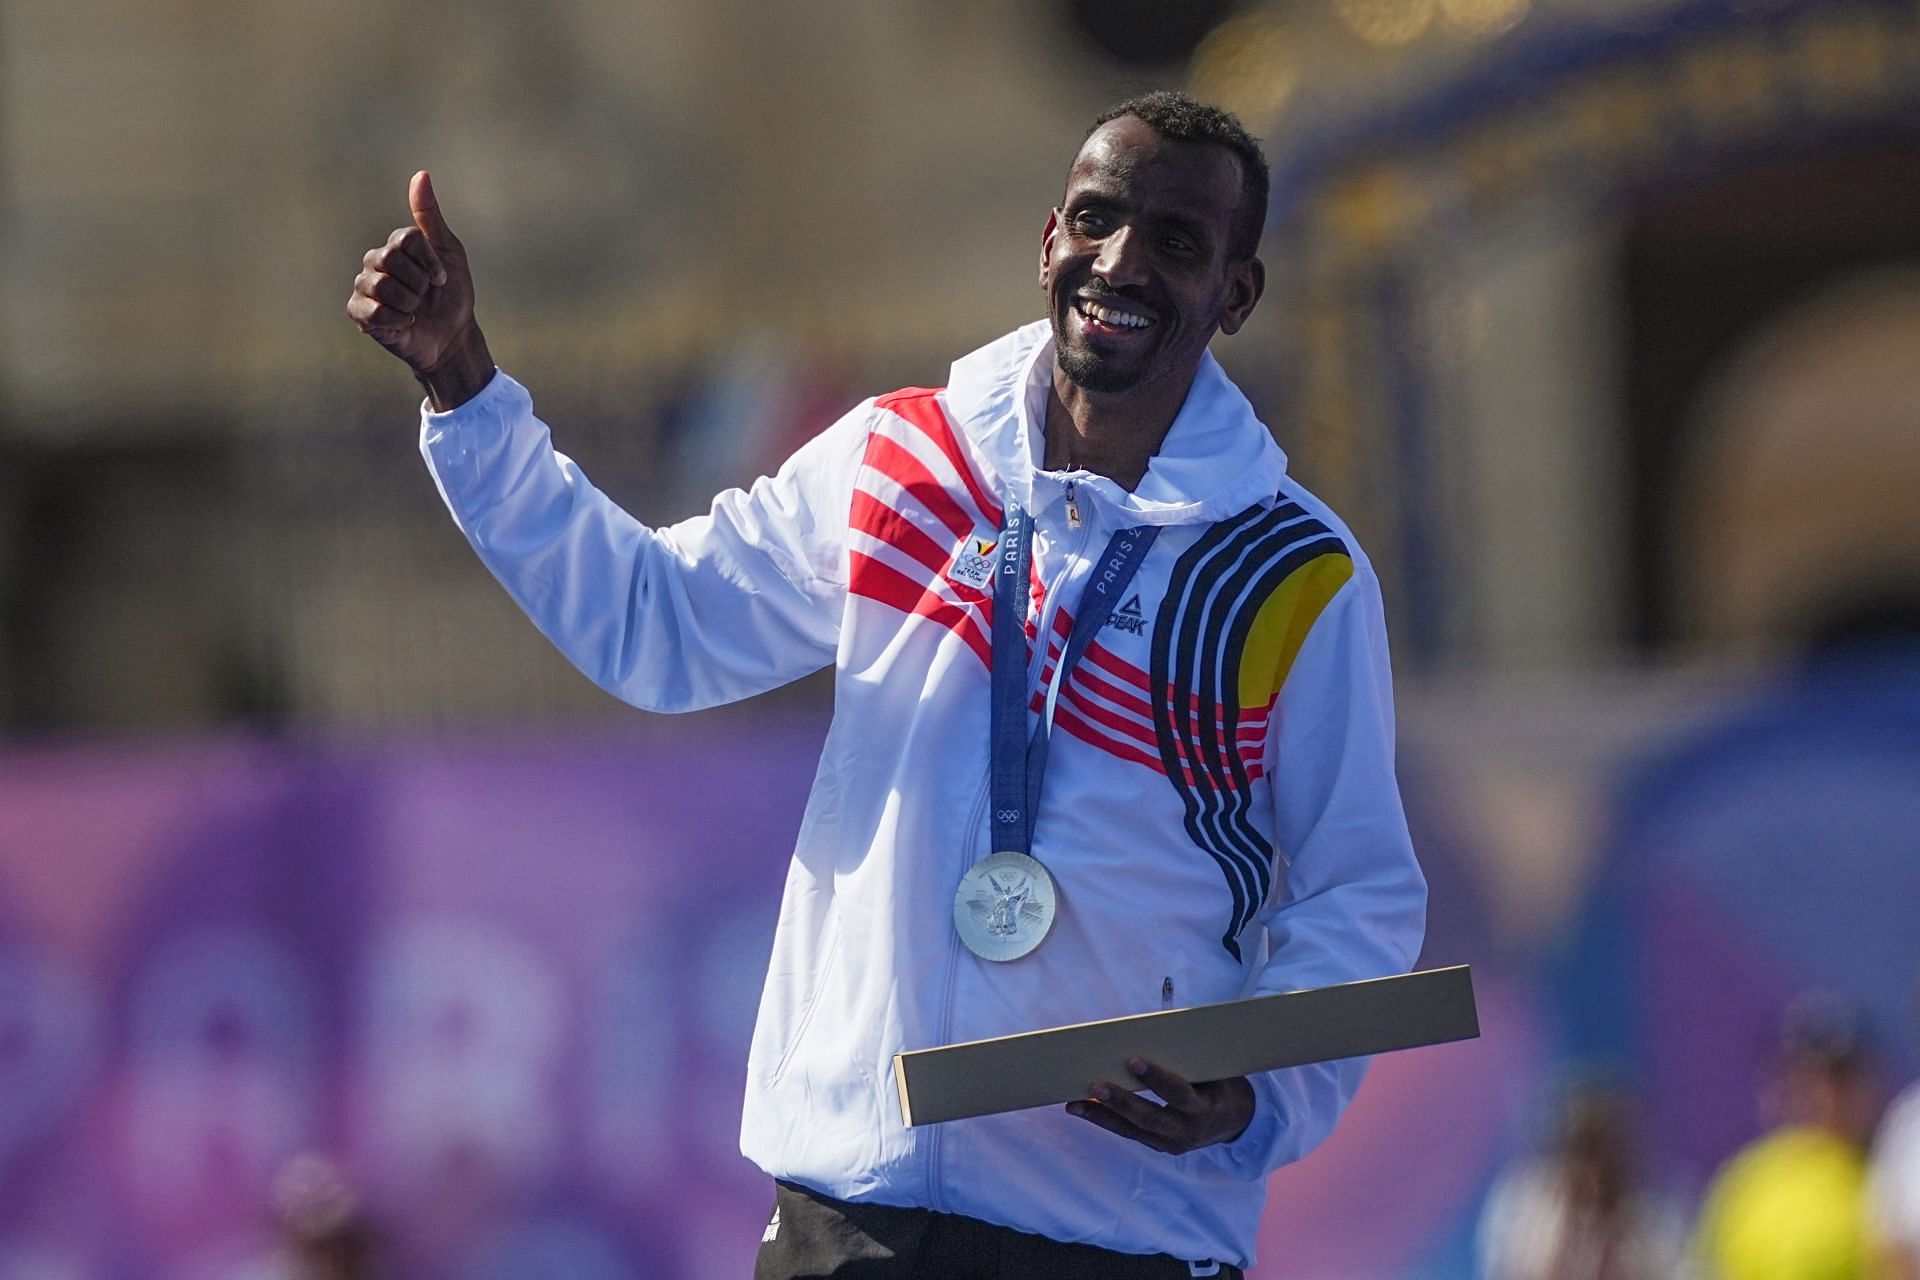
(1152, 250)
(1112, 727)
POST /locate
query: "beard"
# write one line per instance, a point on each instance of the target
(1091, 371)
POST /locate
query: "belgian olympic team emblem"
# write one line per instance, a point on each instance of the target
(1004, 906)
(973, 562)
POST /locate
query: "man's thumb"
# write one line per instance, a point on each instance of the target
(426, 213)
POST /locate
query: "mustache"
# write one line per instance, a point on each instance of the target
(1095, 287)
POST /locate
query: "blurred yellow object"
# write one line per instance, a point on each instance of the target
(1247, 65)
(1484, 17)
(1789, 1207)
(1386, 22)
(1376, 205)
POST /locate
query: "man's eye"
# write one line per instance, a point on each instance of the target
(1087, 220)
(1177, 245)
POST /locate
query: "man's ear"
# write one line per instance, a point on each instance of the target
(1245, 283)
(1046, 244)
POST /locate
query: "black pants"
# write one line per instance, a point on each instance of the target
(814, 1235)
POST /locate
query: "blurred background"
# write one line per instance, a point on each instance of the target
(345, 931)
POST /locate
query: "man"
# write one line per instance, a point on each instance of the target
(1793, 1204)
(1219, 815)
(1582, 1210)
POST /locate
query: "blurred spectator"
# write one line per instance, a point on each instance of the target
(1893, 1194)
(1792, 1205)
(1580, 1211)
(326, 1234)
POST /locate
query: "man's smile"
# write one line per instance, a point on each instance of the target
(1108, 315)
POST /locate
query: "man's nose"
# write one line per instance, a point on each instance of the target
(1122, 259)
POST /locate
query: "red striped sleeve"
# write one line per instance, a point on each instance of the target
(894, 461)
(921, 407)
(875, 518)
(877, 581)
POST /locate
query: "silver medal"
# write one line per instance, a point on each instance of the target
(1004, 906)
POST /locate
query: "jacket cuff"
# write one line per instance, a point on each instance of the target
(452, 440)
(1250, 1155)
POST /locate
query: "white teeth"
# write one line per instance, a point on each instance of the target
(1107, 315)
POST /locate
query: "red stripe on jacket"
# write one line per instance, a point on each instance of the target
(878, 520)
(919, 406)
(875, 580)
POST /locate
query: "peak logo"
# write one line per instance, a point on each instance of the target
(1128, 617)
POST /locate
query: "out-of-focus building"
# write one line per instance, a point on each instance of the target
(1555, 284)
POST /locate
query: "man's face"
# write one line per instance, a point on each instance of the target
(1135, 260)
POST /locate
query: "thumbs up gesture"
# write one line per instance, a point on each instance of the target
(414, 296)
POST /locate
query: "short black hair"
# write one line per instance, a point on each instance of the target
(1824, 1032)
(1175, 116)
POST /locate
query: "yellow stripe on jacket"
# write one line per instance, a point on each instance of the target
(1281, 626)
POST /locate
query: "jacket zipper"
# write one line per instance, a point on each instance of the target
(1043, 633)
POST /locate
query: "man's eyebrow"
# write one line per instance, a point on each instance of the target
(1093, 195)
(1184, 223)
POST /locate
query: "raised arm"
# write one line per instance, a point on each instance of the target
(712, 609)
(414, 296)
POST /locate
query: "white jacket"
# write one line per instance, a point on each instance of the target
(1254, 843)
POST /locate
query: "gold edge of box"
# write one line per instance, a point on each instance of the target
(900, 1087)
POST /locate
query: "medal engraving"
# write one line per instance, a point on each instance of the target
(1004, 906)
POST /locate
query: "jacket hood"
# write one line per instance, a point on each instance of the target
(1218, 457)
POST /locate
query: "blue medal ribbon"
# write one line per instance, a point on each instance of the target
(1020, 760)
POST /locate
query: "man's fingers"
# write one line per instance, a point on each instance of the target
(1175, 1090)
(1113, 1122)
(1149, 1117)
(1190, 1119)
(411, 243)
(370, 315)
(385, 288)
(402, 266)
(427, 216)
